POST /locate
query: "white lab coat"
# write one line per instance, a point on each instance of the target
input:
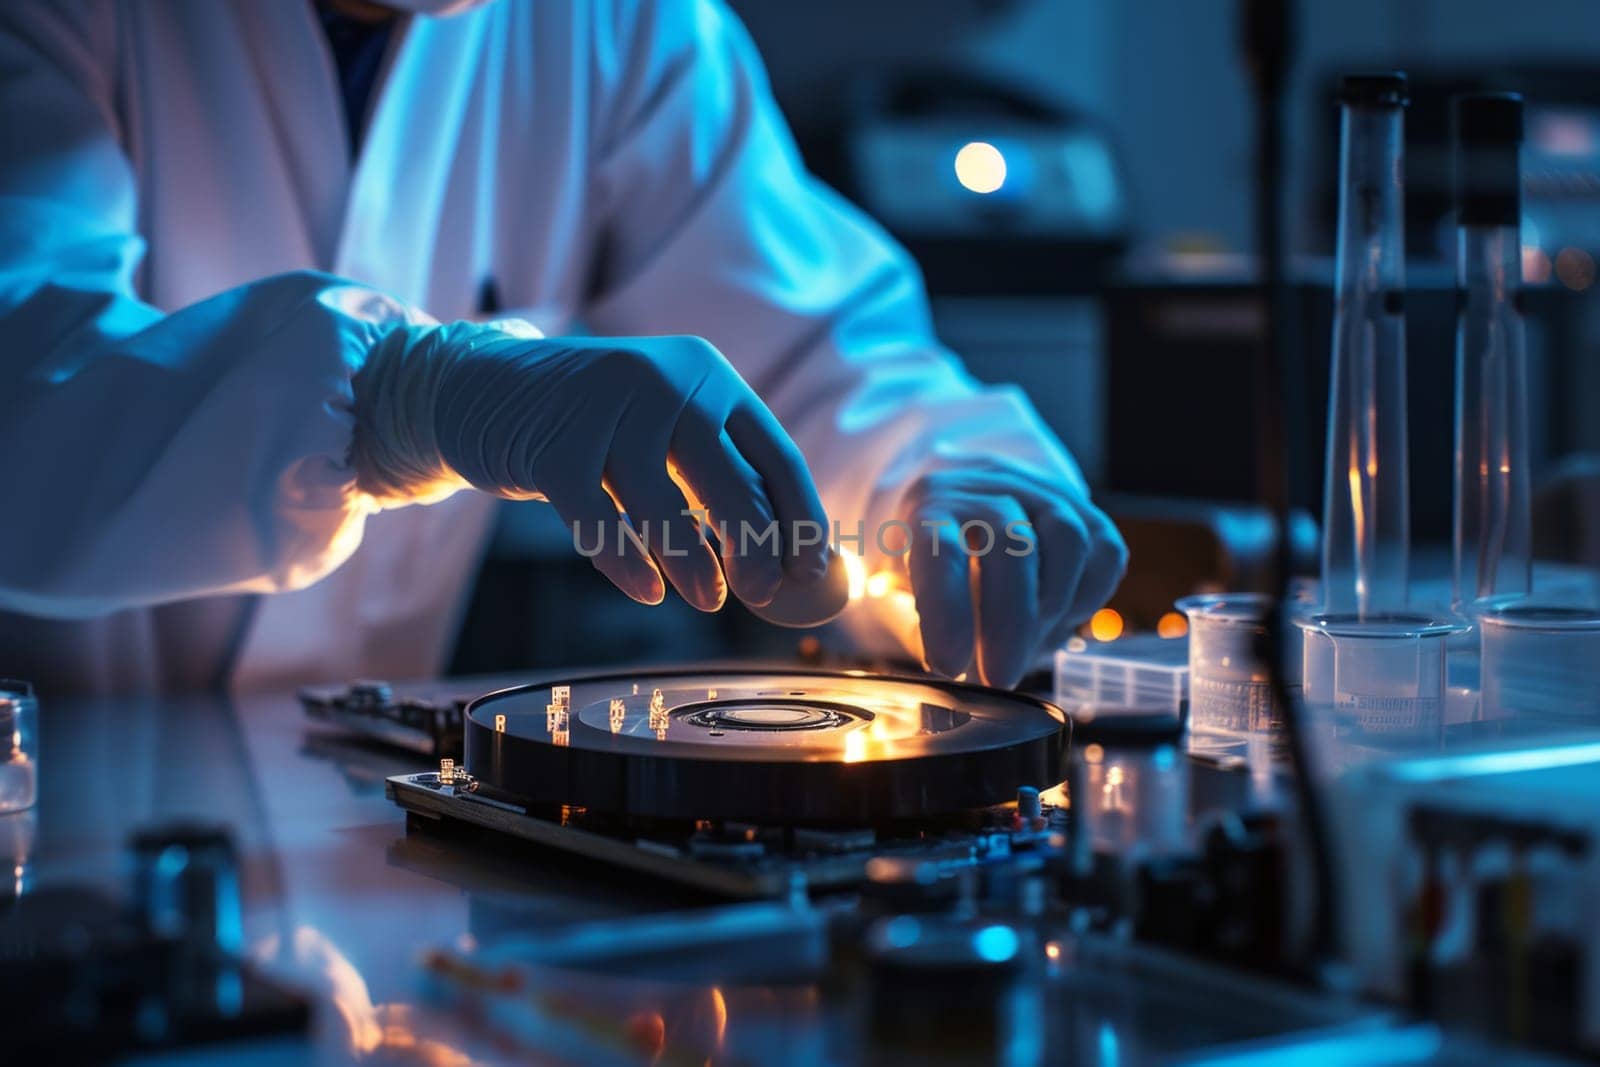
(174, 405)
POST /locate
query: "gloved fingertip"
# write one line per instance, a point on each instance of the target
(651, 596)
(1001, 676)
(947, 661)
(703, 592)
(759, 599)
(646, 588)
(755, 585)
(711, 600)
(808, 567)
(1002, 663)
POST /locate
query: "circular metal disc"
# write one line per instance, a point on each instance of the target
(790, 746)
(803, 606)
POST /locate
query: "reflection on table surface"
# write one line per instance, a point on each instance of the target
(337, 899)
(423, 949)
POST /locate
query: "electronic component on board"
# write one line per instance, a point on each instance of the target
(426, 723)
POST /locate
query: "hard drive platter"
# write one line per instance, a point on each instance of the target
(792, 746)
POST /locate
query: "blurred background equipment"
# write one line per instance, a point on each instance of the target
(90, 978)
(1108, 269)
(991, 189)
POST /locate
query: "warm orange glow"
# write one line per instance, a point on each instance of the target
(1172, 624)
(370, 1029)
(1535, 265)
(878, 585)
(1105, 625)
(1093, 754)
(855, 747)
(1575, 268)
(1111, 789)
(719, 1013)
(1052, 950)
(855, 569)
(648, 1032)
(1358, 508)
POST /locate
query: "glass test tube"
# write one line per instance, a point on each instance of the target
(1366, 495)
(1492, 521)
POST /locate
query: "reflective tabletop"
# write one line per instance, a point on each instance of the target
(338, 900)
(419, 948)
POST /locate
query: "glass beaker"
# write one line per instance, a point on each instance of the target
(1539, 657)
(1230, 688)
(1374, 685)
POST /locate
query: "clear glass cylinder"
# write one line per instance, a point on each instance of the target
(1492, 527)
(19, 746)
(1366, 497)
(1492, 522)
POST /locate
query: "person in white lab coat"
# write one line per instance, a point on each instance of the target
(215, 350)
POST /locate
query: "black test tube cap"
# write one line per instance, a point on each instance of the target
(1488, 129)
(1385, 88)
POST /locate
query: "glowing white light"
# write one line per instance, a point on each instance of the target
(855, 747)
(980, 167)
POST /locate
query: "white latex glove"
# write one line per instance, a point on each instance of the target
(648, 425)
(996, 610)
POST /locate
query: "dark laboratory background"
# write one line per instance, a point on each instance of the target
(1111, 276)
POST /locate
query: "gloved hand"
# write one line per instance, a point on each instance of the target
(1053, 560)
(648, 425)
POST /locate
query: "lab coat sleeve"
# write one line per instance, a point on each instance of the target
(147, 456)
(713, 227)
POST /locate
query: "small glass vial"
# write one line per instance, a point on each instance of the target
(19, 746)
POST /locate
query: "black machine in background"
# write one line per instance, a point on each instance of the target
(1056, 222)
(1180, 408)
